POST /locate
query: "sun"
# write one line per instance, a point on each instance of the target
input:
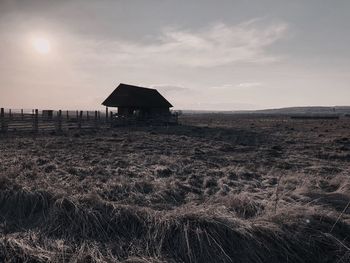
(41, 45)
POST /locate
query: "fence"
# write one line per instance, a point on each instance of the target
(49, 120)
(35, 120)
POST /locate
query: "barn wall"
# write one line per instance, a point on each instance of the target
(142, 112)
(159, 110)
(125, 111)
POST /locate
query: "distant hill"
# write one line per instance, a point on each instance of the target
(308, 110)
(312, 110)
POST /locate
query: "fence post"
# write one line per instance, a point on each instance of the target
(77, 117)
(80, 119)
(22, 115)
(59, 121)
(106, 114)
(2, 117)
(87, 115)
(67, 115)
(111, 118)
(10, 114)
(96, 120)
(36, 120)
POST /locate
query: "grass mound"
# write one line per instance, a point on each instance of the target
(199, 238)
(97, 231)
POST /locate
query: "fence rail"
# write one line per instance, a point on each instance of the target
(35, 120)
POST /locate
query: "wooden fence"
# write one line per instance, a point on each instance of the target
(35, 120)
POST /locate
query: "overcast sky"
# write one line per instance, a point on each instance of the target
(215, 55)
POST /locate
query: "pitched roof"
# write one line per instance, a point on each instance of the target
(133, 96)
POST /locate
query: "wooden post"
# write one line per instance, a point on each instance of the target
(10, 114)
(77, 117)
(36, 121)
(22, 115)
(2, 119)
(96, 120)
(59, 121)
(106, 114)
(80, 119)
(111, 118)
(67, 115)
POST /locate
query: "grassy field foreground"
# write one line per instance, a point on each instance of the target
(214, 189)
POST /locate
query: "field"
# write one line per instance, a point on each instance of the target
(217, 188)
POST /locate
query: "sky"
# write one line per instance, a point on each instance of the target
(200, 54)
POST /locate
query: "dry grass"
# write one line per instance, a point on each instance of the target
(215, 189)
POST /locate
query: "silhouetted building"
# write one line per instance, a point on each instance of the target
(139, 101)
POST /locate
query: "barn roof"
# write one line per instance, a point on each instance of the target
(133, 96)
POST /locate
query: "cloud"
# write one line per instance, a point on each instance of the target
(249, 84)
(215, 45)
(239, 86)
(169, 88)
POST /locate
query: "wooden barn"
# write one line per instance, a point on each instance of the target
(138, 101)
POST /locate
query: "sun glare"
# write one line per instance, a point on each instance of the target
(41, 45)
